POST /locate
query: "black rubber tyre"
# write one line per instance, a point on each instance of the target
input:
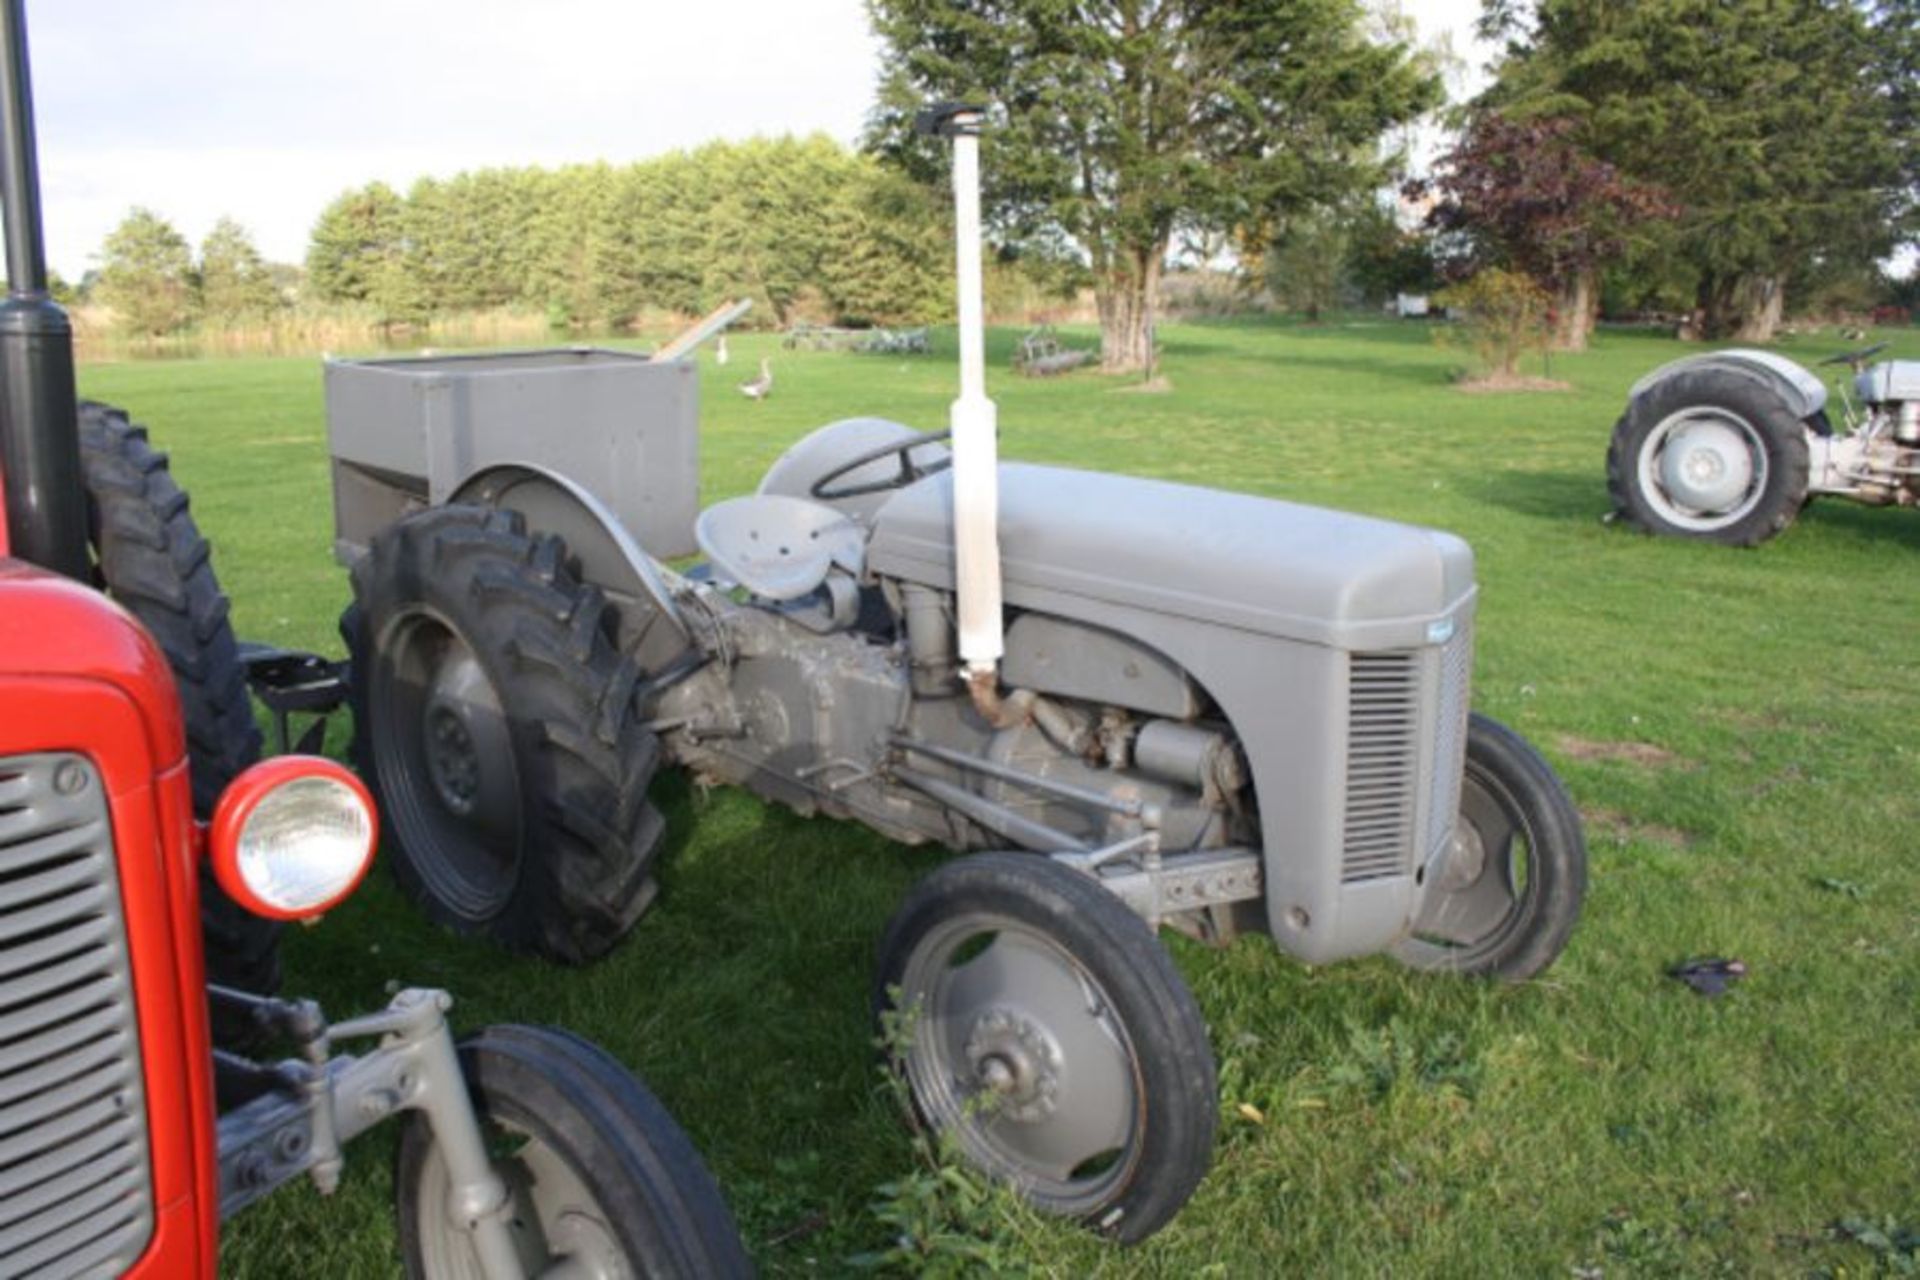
(1711, 455)
(1511, 894)
(601, 1175)
(553, 850)
(1078, 1014)
(149, 556)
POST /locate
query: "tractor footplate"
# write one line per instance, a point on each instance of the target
(288, 681)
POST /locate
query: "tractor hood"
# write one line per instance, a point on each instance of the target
(1255, 564)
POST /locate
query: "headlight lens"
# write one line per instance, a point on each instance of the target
(292, 836)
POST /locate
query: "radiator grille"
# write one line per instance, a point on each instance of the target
(1383, 747)
(75, 1191)
(1450, 730)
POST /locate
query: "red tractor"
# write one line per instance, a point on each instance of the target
(136, 818)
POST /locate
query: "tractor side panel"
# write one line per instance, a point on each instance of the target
(1338, 647)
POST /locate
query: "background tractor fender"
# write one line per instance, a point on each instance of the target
(1797, 387)
(651, 627)
(816, 455)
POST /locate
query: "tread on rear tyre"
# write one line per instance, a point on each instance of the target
(494, 720)
(150, 558)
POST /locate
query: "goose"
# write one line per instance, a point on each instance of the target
(761, 387)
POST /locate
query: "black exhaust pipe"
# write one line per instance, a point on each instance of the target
(39, 415)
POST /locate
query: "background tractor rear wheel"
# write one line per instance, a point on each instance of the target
(494, 720)
(603, 1182)
(150, 558)
(1045, 1027)
(1709, 454)
(1510, 893)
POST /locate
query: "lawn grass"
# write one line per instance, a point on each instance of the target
(1373, 1121)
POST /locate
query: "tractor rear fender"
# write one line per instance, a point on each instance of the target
(651, 627)
(1797, 387)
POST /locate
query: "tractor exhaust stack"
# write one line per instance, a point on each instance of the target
(976, 464)
(39, 417)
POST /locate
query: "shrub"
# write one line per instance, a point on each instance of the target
(1504, 314)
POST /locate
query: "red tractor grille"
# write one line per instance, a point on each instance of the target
(75, 1191)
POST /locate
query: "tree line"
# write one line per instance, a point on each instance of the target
(804, 226)
(157, 285)
(1725, 158)
(801, 226)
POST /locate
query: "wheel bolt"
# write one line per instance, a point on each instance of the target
(997, 1074)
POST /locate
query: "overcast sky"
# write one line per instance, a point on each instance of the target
(267, 109)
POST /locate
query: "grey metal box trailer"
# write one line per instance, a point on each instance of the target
(410, 432)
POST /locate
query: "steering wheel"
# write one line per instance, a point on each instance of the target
(1855, 358)
(909, 471)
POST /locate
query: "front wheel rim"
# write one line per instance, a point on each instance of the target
(1017, 1051)
(557, 1227)
(1703, 468)
(444, 756)
(1488, 880)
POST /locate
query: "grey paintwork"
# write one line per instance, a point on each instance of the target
(326, 1100)
(1072, 660)
(618, 425)
(1255, 564)
(794, 472)
(1889, 382)
(1262, 610)
(1803, 392)
(1128, 601)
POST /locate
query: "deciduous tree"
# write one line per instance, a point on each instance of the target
(1121, 122)
(235, 281)
(146, 275)
(1775, 124)
(1521, 193)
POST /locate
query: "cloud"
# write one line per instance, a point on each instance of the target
(264, 112)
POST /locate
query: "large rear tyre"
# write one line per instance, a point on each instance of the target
(1510, 893)
(494, 721)
(149, 556)
(1709, 454)
(1047, 1030)
(603, 1183)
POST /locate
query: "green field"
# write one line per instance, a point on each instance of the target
(1740, 728)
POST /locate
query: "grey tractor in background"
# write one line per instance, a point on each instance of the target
(1729, 446)
(1201, 710)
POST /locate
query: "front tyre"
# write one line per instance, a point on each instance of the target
(1510, 891)
(1711, 455)
(602, 1182)
(1044, 1026)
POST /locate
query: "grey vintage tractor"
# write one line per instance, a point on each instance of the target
(1729, 446)
(1132, 704)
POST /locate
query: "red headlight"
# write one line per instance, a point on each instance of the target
(292, 836)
